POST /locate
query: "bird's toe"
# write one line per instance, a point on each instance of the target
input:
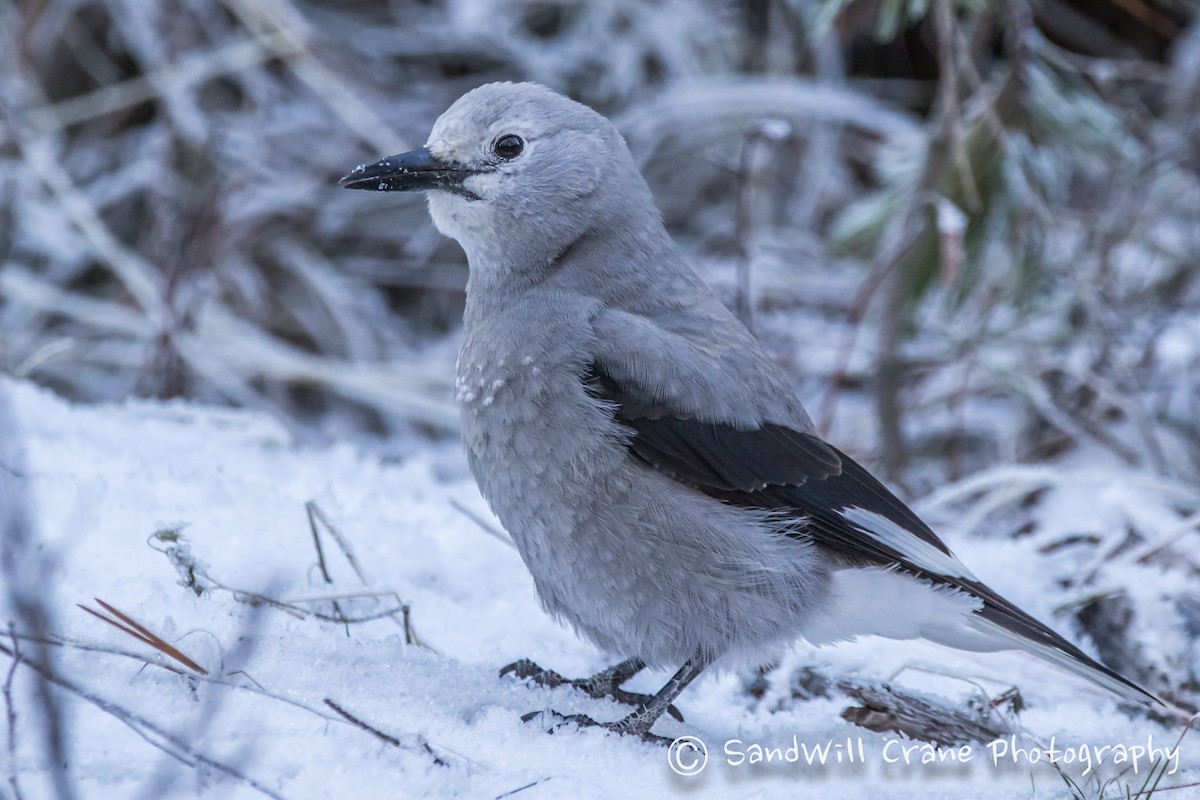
(524, 669)
(554, 720)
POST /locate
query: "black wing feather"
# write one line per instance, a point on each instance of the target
(773, 466)
(716, 457)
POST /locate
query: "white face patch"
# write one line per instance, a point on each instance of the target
(456, 216)
(920, 552)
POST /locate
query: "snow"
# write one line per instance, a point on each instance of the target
(101, 481)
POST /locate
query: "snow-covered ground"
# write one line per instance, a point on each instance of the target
(130, 502)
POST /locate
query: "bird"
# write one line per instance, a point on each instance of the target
(663, 484)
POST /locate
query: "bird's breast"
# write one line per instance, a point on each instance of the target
(536, 441)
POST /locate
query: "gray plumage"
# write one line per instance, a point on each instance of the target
(661, 481)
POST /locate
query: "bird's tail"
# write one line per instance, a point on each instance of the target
(1012, 629)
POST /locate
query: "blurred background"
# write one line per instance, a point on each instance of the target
(968, 229)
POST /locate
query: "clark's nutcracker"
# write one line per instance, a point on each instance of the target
(661, 481)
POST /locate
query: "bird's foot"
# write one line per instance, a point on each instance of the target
(528, 671)
(606, 684)
(633, 725)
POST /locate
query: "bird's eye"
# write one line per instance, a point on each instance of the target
(508, 146)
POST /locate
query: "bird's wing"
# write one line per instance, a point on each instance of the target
(835, 502)
(776, 467)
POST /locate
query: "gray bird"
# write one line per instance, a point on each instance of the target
(661, 481)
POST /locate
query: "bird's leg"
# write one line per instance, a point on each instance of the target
(606, 683)
(643, 718)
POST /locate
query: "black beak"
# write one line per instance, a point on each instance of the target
(415, 171)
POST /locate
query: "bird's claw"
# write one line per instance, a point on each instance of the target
(556, 721)
(525, 669)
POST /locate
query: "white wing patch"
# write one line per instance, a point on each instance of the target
(883, 602)
(920, 552)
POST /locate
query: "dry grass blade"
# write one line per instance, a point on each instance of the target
(142, 634)
(311, 509)
(315, 515)
(484, 525)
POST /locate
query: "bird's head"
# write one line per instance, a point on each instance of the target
(514, 165)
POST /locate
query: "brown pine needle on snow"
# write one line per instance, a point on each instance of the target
(129, 625)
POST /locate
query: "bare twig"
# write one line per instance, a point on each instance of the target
(919, 717)
(863, 296)
(519, 789)
(10, 713)
(945, 148)
(1143, 552)
(421, 744)
(315, 515)
(821, 152)
(755, 143)
(195, 576)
